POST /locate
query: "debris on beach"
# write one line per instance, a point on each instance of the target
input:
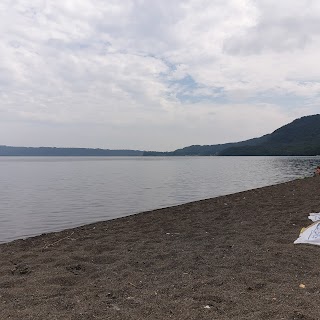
(20, 269)
(115, 307)
(310, 235)
(75, 269)
(314, 216)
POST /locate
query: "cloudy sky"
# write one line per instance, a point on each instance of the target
(155, 74)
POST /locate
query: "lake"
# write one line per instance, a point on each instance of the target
(44, 194)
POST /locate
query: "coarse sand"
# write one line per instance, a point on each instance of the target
(230, 257)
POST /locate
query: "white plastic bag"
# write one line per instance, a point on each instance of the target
(310, 234)
(315, 216)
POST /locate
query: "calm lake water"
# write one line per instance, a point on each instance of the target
(43, 194)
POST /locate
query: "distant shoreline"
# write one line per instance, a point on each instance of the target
(301, 137)
(64, 152)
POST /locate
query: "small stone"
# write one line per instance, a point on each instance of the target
(21, 269)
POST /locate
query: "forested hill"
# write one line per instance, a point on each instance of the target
(63, 152)
(206, 150)
(300, 137)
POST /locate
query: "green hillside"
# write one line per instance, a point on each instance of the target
(299, 138)
(206, 150)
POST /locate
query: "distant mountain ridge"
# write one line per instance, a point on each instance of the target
(206, 150)
(299, 138)
(64, 152)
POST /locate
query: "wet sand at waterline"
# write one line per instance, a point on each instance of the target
(230, 257)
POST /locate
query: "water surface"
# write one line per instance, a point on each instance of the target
(43, 194)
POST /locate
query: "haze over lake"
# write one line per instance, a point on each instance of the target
(44, 194)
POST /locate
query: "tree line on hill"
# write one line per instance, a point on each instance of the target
(63, 152)
(298, 138)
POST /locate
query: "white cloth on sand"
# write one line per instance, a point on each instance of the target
(310, 234)
(315, 216)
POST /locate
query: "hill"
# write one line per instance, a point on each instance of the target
(207, 150)
(300, 137)
(63, 152)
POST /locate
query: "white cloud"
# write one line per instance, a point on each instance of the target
(119, 70)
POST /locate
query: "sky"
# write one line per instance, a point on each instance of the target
(155, 74)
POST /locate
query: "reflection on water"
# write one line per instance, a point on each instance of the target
(43, 194)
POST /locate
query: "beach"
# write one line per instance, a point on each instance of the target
(230, 257)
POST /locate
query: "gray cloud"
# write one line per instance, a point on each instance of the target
(279, 27)
(118, 70)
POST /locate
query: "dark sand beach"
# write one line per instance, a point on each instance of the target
(230, 257)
